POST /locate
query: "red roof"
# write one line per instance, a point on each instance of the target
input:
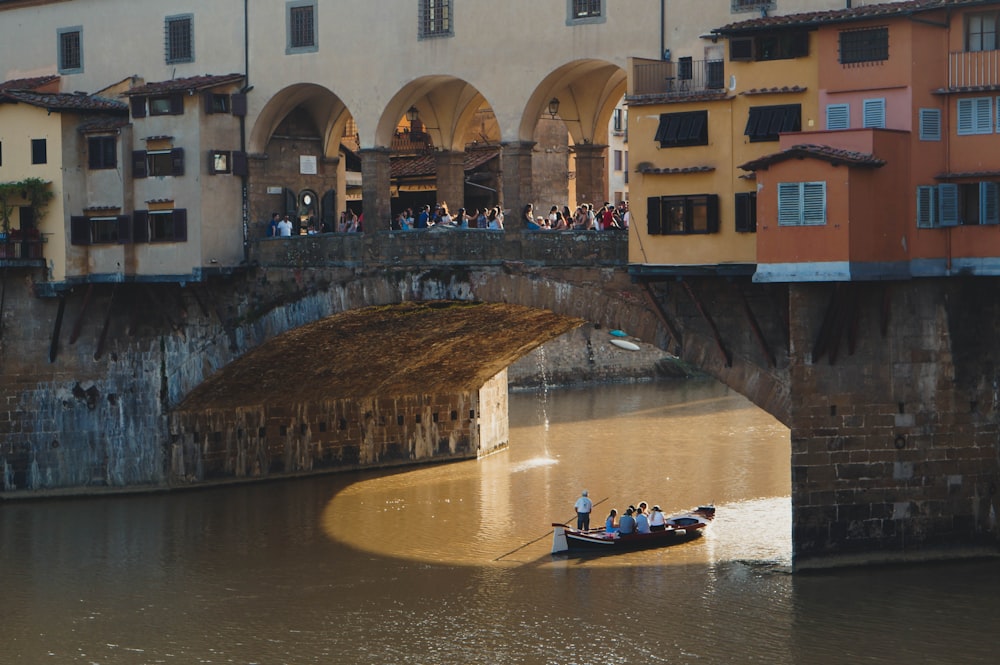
(185, 84)
(835, 156)
(63, 101)
(426, 165)
(867, 12)
(28, 83)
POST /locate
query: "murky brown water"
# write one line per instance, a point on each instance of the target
(451, 564)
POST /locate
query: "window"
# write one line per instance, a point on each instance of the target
(160, 225)
(784, 45)
(156, 163)
(874, 113)
(216, 103)
(967, 204)
(618, 120)
(179, 38)
(766, 122)
(751, 5)
(801, 203)
(102, 152)
(434, 19)
(981, 31)
(930, 124)
(682, 215)
(39, 151)
(301, 26)
(219, 161)
(1, 153)
(746, 212)
(838, 116)
(172, 104)
(100, 230)
(927, 217)
(866, 45)
(975, 115)
(682, 129)
(70, 50)
(585, 11)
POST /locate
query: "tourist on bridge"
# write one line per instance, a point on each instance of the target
(583, 507)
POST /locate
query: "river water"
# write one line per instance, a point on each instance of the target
(452, 564)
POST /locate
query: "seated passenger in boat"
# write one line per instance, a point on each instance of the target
(609, 524)
(626, 524)
(657, 522)
(641, 522)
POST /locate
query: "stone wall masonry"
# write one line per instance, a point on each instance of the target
(894, 445)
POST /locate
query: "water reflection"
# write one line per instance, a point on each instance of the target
(451, 564)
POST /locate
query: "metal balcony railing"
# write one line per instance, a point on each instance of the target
(683, 77)
(14, 246)
(970, 69)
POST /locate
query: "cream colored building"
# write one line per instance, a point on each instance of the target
(319, 73)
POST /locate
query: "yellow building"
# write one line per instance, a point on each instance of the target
(692, 123)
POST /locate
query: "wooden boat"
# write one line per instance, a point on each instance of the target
(679, 528)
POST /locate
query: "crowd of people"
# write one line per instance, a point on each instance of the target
(636, 519)
(584, 218)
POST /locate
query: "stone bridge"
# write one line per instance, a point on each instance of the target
(345, 351)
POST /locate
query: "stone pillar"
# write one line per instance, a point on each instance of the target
(591, 174)
(376, 197)
(515, 161)
(450, 179)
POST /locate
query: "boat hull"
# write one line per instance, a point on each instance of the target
(679, 529)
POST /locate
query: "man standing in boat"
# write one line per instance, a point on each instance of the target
(583, 507)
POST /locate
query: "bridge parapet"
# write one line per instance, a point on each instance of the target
(453, 246)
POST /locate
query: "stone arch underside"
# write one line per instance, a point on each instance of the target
(446, 106)
(328, 114)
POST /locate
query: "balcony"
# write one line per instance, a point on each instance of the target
(686, 77)
(17, 247)
(973, 69)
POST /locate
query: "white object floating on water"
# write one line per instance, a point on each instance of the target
(625, 344)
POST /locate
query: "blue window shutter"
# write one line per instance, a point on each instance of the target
(926, 207)
(838, 116)
(814, 203)
(789, 204)
(965, 117)
(984, 115)
(930, 124)
(947, 204)
(989, 204)
(874, 113)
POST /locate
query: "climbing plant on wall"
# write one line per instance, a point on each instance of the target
(35, 192)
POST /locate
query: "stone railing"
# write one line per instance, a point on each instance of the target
(437, 247)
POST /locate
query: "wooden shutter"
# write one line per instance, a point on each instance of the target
(653, 226)
(124, 229)
(926, 207)
(799, 45)
(239, 104)
(328, 208)
(138, 107)
(177, 104)
(838, 116)
(989, 205)
(79, 230)
(874, 113)
(180, 225)
(211, 162)
(984, 115)
(712, 213)
(741, 48)
(965, 117)
(177, 161)
(746, 212)
(947, 204)
(140, 226)
(139, 168)
(208, 99)
(930, 124)
(241, 165)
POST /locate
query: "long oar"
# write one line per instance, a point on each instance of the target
(544, 535)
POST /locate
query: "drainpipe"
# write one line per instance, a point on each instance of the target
(244, 179)
(663, 19)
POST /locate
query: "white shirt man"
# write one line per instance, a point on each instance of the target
(583, 507)
(285, 228)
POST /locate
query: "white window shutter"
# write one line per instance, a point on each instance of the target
(838, 116)
(926, 207)
(989, 203)
(947, 204)
(874, 113)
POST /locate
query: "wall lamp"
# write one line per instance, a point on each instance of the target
(554, 107)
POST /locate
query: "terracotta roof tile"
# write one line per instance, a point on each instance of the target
(105, 124)
(775, 90)
(426, 165)
(677, 97)
(62, 101)
(959, 175)
(28, 83)
(650, 169)
(185, 84)
(827, 153)
(817, 18)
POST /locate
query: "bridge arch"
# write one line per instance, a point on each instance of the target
(324, 108)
